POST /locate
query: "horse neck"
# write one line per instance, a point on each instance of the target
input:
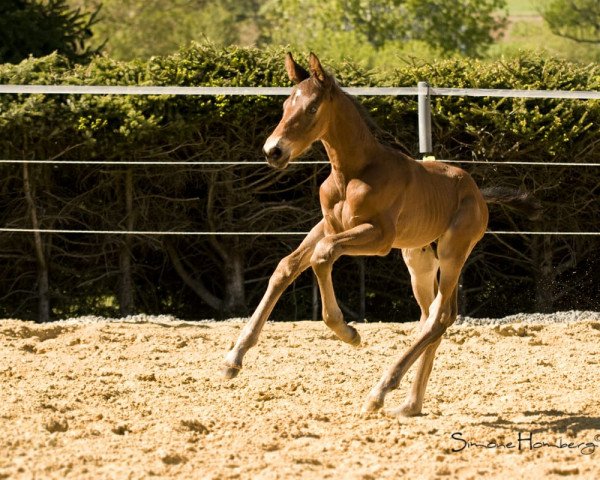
(347, 139)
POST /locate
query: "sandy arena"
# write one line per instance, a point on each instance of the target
(143, 398)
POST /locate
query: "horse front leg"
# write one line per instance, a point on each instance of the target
(364, 239)
(286, 272)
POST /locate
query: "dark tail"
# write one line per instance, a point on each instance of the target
(517, 199)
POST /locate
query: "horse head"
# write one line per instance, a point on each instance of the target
(305, 112)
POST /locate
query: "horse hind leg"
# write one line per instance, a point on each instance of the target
(413, 405)
(453, 250)
(455, 246)
(423, 267)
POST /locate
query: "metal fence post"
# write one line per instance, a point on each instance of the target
(315, 298)
(362, 310)
(425, 145)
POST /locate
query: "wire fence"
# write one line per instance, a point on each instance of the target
(423, 91)
(285, 91)
(263, 163)
(257, 233)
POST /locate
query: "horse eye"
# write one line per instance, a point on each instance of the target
(313, 109)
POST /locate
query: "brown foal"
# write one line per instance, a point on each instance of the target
(375, 199)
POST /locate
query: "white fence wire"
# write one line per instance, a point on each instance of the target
(258, 233)
(264, 164)
(278, 91)
(284, 91)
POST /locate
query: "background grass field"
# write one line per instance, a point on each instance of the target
(521, 7)
(528, 31)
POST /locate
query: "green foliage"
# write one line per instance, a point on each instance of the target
(577, 20)
(361, 29)
(374, 33)
(38, 28)
(143, 28)
(368, 30)
(554, 126)
(468, 27)
(196, 276)
(520, 7)
(528, 31)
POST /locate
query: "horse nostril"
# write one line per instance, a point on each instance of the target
(275, 153)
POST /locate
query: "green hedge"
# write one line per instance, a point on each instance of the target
(196, 277)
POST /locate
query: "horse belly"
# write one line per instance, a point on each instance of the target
(417, 233)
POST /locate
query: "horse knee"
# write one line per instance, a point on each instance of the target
(286, 271)
(434, 328)
(332, 317)
(323, 255)
(421, 260)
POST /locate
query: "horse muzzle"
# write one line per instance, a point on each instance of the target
(276, 156)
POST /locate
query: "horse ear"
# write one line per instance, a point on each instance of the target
(317, 70)
(295, 71)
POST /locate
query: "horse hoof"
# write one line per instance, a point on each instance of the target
(403, 411)
(230, 371)
(355, 340)
(371, 406)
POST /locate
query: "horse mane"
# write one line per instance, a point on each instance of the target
(384, 137)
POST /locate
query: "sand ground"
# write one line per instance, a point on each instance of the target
(102, 400)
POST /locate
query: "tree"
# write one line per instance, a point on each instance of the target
(34, 27)
(336, 28)
(577, 20)
(143, 28)
(467, 27)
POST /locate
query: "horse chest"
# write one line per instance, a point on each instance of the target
(340, 214)
(334, 218)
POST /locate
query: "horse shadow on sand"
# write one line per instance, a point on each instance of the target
(548, 421)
